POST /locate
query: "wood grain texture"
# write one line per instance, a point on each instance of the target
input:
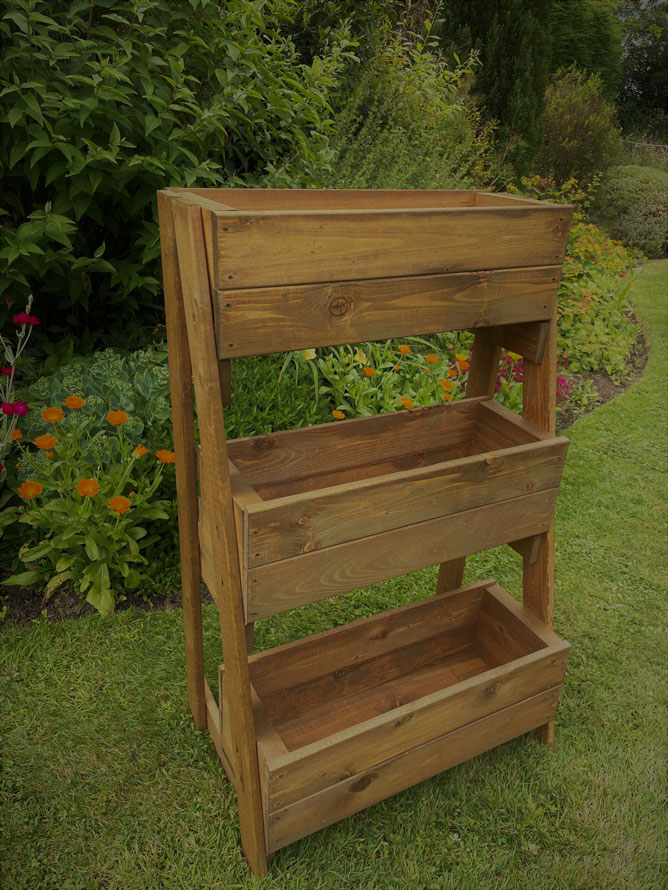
(528, 339)
(311, 521)
(257, 320)
(190, 245)
(330, 199)
(278, 586)
(259, 249)
(407, 769)
(183, 424)
(527, 547)
(329, 447)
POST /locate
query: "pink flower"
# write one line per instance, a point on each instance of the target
(24, 318)
(8, 407)
(20, 407)
(1, 468)
(6, 371)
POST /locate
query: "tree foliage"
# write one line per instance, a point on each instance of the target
(103, 103)
(643, 93)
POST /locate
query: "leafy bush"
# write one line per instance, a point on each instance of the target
(103, 103)
(632, 204)
(580, 135)
(90, 493)
(408, 123)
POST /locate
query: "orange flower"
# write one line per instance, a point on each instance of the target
(431, 358)
(369, 372)
(403, 349)
(47, 441)
(452, 372)
(53, 415)
(338, 414)
(406, 402)
(15, 435)
(88, 487)
(117, 417)
(119, 504)
(167, 457)
(446, 384)
(463, 366)
(139, 451)
(29, 490)
(49, 454)
(74, 402)
(397, 367)
(447, 396)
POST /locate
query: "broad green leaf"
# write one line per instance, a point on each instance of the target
(24, 579)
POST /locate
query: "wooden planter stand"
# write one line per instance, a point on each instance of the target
(318, 729)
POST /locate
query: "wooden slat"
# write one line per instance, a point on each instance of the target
(183, 422)
(190, 241)
(259, 249)
(328, 447)
(307, 522)
(527, 547)
(322, 764)
(528, 339)
(278, 586)
(332, 199)
(362, 790)
(256, 320)
(319, 654)
(498, 199)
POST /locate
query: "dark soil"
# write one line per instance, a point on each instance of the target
(23, 605)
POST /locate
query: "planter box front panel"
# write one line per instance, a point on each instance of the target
(360, 712)
(329, 509)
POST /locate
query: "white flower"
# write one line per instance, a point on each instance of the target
(309, 354)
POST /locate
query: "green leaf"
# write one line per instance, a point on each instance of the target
(24, 579)
(37, 552)
(92, 551)
(132, 579)
(102, 600)
(65, 562)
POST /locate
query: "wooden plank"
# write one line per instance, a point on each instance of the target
(528, 338)
(497, 199)
(257, 249)
(278, 586)
(190, 247)
(539, 396)
(312, 521)
(512, 428)
(527, 547)
(256, 320)
(401, 772)
(306, 659)
(329, 447)
(332, 199)
(225, 377)
(183, 422)
(360, 748)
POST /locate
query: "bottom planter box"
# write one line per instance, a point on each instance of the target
(351, 716)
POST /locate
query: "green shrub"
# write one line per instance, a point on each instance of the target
(632, 204)
(408, 122)
(103, 103)
(580, 135)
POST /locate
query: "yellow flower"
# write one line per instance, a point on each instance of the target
(117, 417)
(74, 402)
(338, 414)
(514, 356)
(309, 354)
(29, 490)
(52, 415)
(360, 356)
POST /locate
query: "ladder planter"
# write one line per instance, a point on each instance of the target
(318, 729)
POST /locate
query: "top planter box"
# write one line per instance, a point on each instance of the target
(293, 269)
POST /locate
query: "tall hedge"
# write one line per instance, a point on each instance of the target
(104, 101)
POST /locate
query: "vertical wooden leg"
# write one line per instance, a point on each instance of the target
(540, 400)
(483, 370)
(180, 379)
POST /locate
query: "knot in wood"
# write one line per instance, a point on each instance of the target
(363, 783)
(309, 547)
(338, 306)
(303, 520)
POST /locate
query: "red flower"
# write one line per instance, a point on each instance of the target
(6, 371)
(20, 407)
(25, 318)
(8, 407)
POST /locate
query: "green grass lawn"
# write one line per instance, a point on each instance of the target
(107, 784)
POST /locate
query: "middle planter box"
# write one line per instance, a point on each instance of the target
(331, 508)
